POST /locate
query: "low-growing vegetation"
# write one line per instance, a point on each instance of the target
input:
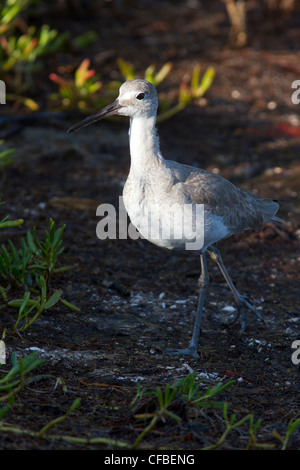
(188, 391)
(29, 270)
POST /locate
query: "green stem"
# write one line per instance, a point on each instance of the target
(75, 405)
(146, 430)
(72, 439)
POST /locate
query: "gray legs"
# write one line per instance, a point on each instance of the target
(191, 350)
(239, 299)
(203, 284)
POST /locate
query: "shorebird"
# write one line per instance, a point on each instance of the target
(155, 186)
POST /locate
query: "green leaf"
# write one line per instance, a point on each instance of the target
(293, 425)
(39, 267)
(205, 82)
(195, 77)
(14, 253)
(11, 223)
(126, 69)
(24, 303)
(220, 387)
(53, 299)
(75, 404)
(70, 305)
(30, 242)
(3, 268)
(43, 287)
(6, 157)
(3, 411)
(6, 258)
(162, 73)
(18, 302)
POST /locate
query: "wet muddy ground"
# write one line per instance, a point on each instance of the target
(136, 300)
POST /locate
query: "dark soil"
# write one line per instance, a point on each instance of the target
(136, 300)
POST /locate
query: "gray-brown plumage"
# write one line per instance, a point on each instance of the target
(239, 209)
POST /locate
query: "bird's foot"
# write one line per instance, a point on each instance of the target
(241, 304)
(189, 351)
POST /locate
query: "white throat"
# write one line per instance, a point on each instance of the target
(144, 143)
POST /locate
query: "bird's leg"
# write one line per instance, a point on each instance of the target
(240, 300)
(203, 284)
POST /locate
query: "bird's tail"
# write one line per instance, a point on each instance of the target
(277, 219)
(268, 209)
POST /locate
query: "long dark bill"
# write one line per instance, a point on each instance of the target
(103, 113)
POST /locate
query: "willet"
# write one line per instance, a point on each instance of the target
(155, 186)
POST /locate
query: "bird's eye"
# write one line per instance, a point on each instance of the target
(140, 96)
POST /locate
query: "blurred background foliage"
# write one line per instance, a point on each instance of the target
(47, 68)
(25, 45)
